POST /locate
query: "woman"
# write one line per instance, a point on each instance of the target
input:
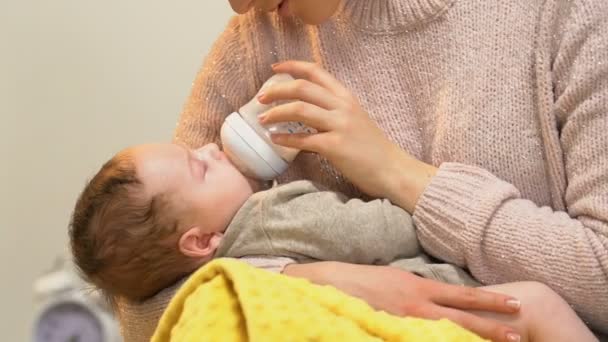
(485, 120)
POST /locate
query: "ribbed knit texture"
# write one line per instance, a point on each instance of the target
(508, 98)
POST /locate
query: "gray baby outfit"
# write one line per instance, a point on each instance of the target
(301, 221)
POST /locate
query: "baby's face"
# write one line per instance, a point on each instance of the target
(203, 184)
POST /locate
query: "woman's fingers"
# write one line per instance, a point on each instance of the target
(306, 113)
(451, 301)
(469, 298)
(313, 73)
(302, 90)
(305, 142)
(398, 292)
(486, 328)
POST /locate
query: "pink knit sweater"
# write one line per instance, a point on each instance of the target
(508, 98)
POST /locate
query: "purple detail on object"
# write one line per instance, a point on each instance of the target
(68, 322)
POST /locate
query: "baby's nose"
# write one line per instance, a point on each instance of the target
(209, 150)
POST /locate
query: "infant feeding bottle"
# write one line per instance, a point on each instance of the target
(247, 143)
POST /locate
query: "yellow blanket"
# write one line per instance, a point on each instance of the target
(230, 301)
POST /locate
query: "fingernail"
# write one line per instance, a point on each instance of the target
(513, 303)
(261, 96)
(513, 337)
(274, 65)
(262, 117)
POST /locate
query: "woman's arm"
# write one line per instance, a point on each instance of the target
(347, 136)
(469, 217)
(502, 237)
(404, 294)
(464, 214)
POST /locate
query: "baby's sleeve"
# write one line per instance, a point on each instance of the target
(269, 263)
(300, 221)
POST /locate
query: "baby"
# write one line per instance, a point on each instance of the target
(155, 213)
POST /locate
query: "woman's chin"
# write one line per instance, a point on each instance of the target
(312, 12)
(284, 9)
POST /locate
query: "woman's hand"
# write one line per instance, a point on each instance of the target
(347, 136)
(405, 294)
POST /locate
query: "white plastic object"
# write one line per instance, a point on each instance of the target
(248, 144)
(66, 309)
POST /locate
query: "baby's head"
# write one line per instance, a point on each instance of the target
(153, 214)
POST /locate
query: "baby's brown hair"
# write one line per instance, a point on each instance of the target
(123, 241)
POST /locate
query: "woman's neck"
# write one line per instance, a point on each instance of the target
(392, 16)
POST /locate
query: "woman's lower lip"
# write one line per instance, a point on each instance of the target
(283, 8)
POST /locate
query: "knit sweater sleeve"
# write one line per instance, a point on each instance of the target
(227, 80)
(470, 217)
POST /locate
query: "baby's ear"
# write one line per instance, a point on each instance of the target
(195, 243)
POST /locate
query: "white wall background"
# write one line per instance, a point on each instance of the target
(79, 80)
